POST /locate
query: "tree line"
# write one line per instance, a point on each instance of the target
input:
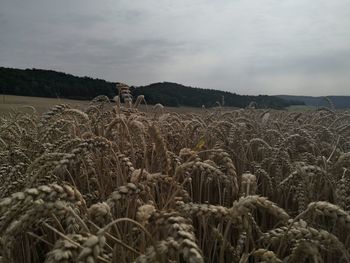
(173, 94)
(52, 84)
(49, 83)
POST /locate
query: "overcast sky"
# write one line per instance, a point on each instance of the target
(297, 47)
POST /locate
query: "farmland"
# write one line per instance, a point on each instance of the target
(41, 105)
(108, 182)
(11, 102)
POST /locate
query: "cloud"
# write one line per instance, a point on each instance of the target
(249, 47)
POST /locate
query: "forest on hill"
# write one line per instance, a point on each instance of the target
(52, 84)
(173, 94)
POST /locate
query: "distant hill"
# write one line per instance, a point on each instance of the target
(339, 102)
(52, 84)
(173, 94)
(49, 83)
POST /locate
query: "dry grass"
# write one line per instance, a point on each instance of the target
(107, 183)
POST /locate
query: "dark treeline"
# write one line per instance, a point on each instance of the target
(52, 84)
(172, 94)
(48, 83)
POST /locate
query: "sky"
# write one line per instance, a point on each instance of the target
(296, 47)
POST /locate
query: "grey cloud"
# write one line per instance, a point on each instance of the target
(289, 47)
(74, 20)
(117, 50)
(322, 63)
(2, 19)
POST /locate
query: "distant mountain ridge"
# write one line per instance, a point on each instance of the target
(339, 102)
(49, 83)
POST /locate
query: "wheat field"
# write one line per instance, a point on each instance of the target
(109, 183)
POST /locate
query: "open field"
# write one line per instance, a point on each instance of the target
(97, 184)
(301, 108)
(8, 102)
